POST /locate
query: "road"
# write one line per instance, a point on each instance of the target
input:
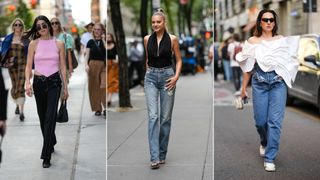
(236, 142)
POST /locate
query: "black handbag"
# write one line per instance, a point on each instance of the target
(73, 56)
(63, 113)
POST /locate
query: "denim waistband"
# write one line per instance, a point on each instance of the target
(51, 77)
(159, 69)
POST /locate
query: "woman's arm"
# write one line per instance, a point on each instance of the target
(145, 42)
(246, 77)
(63, 69)
(171, 82)
(86, 62)
(28, 71)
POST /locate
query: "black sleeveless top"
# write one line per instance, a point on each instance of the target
(163, 57)
(111, 53)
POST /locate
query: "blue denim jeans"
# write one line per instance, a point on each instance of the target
(269, 93)
(157, 95)
(227, 69)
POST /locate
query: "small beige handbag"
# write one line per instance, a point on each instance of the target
(238, 102)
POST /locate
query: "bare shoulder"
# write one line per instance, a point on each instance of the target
(254, 40)
(60, 43)
(146, 37)
(173, 38)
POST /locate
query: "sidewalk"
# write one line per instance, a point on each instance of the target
(80, 150)
(190, 148)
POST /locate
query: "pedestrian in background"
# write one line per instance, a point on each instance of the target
(67, 39)
(96, 68)
(269, 59)
(3, 104)
(136, 63)
(160, 83)
(14, 47)
(113, 68)
(233, 48)
(48, 55)
(223, 51)
(86, 37)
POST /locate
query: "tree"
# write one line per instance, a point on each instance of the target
(124, 95)
(24, 13)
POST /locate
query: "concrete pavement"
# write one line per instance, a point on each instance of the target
(81, 148)
(190, 154)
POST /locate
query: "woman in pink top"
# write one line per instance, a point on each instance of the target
(48, 55)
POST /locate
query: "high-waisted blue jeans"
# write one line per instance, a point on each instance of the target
(269, 93)
(157, 95)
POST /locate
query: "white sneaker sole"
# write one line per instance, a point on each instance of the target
(270, 167)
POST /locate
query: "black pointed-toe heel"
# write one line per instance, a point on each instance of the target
(21, 117)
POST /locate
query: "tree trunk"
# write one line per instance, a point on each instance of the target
(143, 25)
(188, 16)
(124, 95)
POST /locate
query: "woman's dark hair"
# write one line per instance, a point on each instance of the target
(258, 29)
(33, 33)
(111, 35)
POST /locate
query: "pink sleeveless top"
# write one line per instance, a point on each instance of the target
(46, 58)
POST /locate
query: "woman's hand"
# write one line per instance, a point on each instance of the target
(87, 68)
(28, 88)
(243, 93)
(65, 93)
(171, 83)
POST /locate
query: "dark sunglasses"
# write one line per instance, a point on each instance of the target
(267, 20)
(53, 23)
(43, 26)
(15, 25)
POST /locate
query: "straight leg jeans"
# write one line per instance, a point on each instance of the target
(269, 93)
(47, 93)
(155, 81)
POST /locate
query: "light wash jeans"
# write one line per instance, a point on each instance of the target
(157, 95)
(269, 93)
(227, 69)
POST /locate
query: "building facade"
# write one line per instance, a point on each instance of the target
(239, 16)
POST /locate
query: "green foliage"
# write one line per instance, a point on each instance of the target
(24, 13)
(5, 23)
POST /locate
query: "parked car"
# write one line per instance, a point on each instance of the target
(307, 83)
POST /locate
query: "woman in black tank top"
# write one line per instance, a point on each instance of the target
(160, 81)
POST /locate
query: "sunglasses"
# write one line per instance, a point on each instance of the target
(15, 25)
(267, 20)
(54, 23)
(42, 26)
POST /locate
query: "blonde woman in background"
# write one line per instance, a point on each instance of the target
(13, 47)
(95, 66)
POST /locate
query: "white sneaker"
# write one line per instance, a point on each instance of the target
(262, 151)
(269, 166)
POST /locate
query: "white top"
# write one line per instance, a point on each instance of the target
(231, 46)
(85, 38)
(277, 55)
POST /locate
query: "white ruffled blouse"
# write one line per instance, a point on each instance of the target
(277, 55)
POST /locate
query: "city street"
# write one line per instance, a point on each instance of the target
(236, 141)
(190, 147)
(81, 147)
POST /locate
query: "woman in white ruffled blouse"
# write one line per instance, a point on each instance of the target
(269, 59)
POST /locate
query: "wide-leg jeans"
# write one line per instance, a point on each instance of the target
(269, 93)
(47, 93)
(158, 97)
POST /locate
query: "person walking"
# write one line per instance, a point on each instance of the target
(68, 43)
(233, 49)
(113, 68)
(136, 63)
(14, 47)
(86, 37)
(269, 59)
(160, 83)
(48, 55)
(96, 68)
